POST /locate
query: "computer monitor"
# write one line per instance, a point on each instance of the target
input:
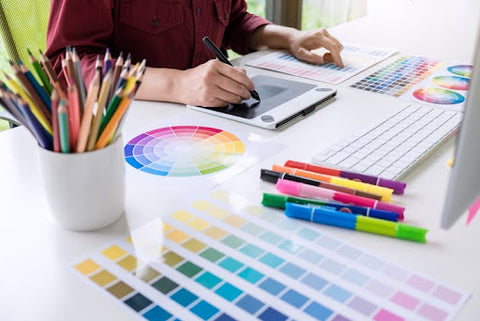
(464, 183)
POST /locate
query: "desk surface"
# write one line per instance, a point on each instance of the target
(34, 278)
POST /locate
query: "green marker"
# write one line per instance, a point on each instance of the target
(329, 216)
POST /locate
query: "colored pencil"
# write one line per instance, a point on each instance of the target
(63, 127)
(36, 112)
(40, 73)
(112, 125)
(73, 116)
(37, 89)
(56, 135)
(79, 80)
(47, 64)
(86, 123)
(97, 119)
(112, 106)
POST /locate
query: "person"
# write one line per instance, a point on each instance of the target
(168, 34)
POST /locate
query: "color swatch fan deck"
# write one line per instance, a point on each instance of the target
(223, 258)
(180, 151)
(355, 58)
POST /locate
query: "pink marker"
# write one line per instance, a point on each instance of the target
(315, 192)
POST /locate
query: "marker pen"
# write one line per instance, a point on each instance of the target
(356, 222)
(386, 193)
(308, 191)
(397, 186)
(279, 201)
(274, 176)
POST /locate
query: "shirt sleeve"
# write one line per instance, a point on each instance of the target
(242, 24)
(86, 25)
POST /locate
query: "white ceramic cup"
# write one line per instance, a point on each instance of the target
(86, 191)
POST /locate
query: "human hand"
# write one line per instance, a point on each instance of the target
(305, 41)
(214, 84)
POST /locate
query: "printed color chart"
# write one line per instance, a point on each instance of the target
(420, 79)
(183, 151)
(355, 59)
(211, 262)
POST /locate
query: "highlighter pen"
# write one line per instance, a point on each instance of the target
(279, 201)
(273, 176)
(397, 186)
(225, 60)
(308, 191)
(356, 222)
(386, 193)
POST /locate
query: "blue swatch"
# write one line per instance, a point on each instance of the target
(272, 286)
(251, 275)
(157, 314)
(337, 293)
(292, 270)
(294, 298)
(318, 311)
(208, 280)
(183, 297)
(249, 304)
(204, 310)
(230, 264)
(271, 260)
(251, 250)
(138, 302)
(228, 291)
(270, 314)
(314, 281)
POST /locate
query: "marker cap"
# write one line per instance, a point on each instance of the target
(411, 233)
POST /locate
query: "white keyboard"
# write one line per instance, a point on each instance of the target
(393, 146)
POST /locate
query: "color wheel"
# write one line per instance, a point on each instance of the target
(183, 151)
(452, 82)
(461, 70)
(438, 96)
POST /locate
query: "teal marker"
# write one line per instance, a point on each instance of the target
(356, 222)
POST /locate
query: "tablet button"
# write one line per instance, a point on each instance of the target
(267, 118)
(323, 89)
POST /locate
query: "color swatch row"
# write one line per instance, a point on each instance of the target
(183, 151)
(223, 258)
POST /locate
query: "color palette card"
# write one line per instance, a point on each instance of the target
(421, 80)
(224, 258)
(355, 58)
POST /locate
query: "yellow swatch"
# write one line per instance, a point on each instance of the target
(114, 252)
(86, 267)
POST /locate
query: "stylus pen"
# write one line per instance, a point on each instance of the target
(280, 201)
(328, 216)
(274, 176)
(224, 59)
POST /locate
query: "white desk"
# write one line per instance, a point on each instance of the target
(35, 252)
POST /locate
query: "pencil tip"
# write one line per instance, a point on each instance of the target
(29, 52)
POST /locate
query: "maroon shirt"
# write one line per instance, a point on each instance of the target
(167, 33)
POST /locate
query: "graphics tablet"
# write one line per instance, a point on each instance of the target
(282, 101)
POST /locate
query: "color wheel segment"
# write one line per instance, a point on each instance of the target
(183, 151)
(438, 96)
(452, 82)
(461, 70)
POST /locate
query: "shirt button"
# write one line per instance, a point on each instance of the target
(198, 56)
(155, 22)
(226, 17)
(198, 10)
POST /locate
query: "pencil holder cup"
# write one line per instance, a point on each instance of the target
(86, 191)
